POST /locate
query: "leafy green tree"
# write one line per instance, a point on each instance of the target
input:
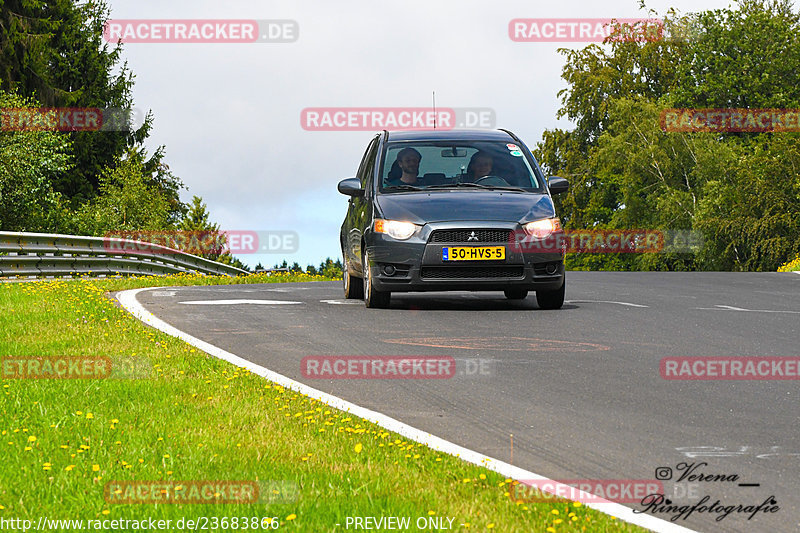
(738, 189)
(128, 201)
(54, 51)
(197, 221)
(29, 161)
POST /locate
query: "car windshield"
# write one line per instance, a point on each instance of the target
(411, 166)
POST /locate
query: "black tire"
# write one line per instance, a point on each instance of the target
(551, 299)
(516, 294)
(373, 298)
(353, 287)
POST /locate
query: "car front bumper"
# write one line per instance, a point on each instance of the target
(417, 264)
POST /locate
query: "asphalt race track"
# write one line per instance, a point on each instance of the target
(579, 388)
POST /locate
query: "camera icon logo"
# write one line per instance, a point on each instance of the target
(663, 473)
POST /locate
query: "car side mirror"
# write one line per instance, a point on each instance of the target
(351, 187)
(557, 185)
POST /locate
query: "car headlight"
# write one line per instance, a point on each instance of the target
(540, 229)
(395, 229)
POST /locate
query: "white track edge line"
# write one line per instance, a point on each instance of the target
(128, 301)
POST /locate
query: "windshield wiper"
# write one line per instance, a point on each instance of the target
(462, 184)
(478, 185)
(402, 188)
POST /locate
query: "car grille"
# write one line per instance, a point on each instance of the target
(463, 235)
(473, 272)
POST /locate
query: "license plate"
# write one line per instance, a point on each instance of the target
(473, 253)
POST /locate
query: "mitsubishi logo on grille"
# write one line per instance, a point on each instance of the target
(472, 237)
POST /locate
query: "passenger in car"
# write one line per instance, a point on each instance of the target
(480, 165)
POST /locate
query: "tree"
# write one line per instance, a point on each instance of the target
(128, 201)
(53, 50)
(29, 161)
(197, 222)
(738, 189)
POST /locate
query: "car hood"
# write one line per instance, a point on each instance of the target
(441, 206)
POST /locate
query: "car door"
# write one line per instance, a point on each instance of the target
(358, 212)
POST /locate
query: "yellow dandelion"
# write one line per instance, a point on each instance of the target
(95, 468)
(482, 476)
(358, 448)
(106, 511)
(554, 511)
(490, 526)
(31, 439)
(89, 415)
(291, 517)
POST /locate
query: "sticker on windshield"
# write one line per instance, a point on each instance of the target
(516, 153)
(512, 147)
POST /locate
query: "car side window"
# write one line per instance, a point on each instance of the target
(368, 165)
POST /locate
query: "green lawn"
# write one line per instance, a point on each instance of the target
(185, 417)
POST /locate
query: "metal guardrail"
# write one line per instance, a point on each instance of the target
(45, 254)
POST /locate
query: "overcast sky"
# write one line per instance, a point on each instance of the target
(229, 114)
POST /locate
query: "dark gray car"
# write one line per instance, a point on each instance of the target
(447, 210)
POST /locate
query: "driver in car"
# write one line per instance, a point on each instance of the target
(405, 169)
(480, 165)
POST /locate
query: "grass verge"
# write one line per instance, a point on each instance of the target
(185, 417)
(790, 266)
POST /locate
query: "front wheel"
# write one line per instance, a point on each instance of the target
(551, 299)
(353, 287)
(373, 298)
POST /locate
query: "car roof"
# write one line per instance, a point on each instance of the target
(450, 135)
